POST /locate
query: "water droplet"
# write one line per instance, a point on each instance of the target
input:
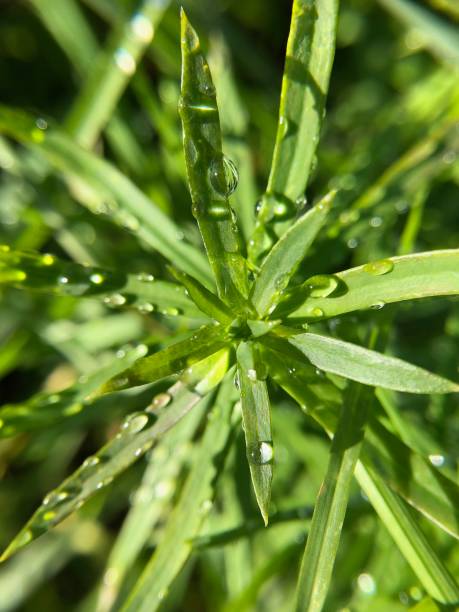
(145, 307)
(316, 313)
(171, 311)
(115, 300)
(321, 285)
(49, 516)
(206, 506)
(281, 281)
(125, 61)
(129, 222)
(378, 268)
(96, 278)
(366, 584)
(348, 217)
(120, 354)
(135, 422)
(62, 280)
(145, 277)
(162, 594)
(258, 206)
(260, 453)
(160, 401)
(449, 157)
(142, 28)
(280, 209)
(41, 123)
(301, 202)
(378, 305)
(252, 375)
(164, 488)
(224, 182)
(47, 259)
(218, 210)
(352, 243)
(55, 497)
(376, 221)
(284, 126)
(23, 538)
(90, 462)
(437, 460)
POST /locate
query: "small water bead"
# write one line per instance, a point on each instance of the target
(378, 268)
(301, 202)
(105, 482)
(145, 307)
(378, 305)
(162, 594)
(145, 277)
(206, 506)
(316, 313)
(437, 460)
(23, 538)
(284, 126)
(171, 311)
(224, 185)
(258, 207)
(96, 278)
(135, 422)
(252, 375)
(321, 285)
(55, 497)
(366, 584)
(47, 259)
(49, 516)
(125, 61)
(91, 462)
(160, 401)
(376, 221)
(280, 209)
(142, 28)
(115, 300)
(63, 280)
(261, 453)
(41, 123)
(218, 211)
(352, 243)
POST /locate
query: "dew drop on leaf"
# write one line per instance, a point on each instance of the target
(62, 280)
(96, 278)
(321, 285)
(160, 401)
(378, 305)
(47, 259)
(115, 300)
(145, 307)
(378, 268)
(142, 28)
(135, 422)
(145, 277)
(260, 453)
(224, 185)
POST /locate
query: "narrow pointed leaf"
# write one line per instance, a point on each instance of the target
(45, 272)
(256, 417)
(329, 511)
(137, 436)
(309, 59)
(369, 367)
(172, 359)
(205, 300)
(191, 509)
(283, 260)
(98, 185)
(395, 279)
(207, 170)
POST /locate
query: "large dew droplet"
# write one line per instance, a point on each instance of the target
(224, 185)
(378, 268)
(321, 285)
(160, 401)
(260, 453)
(135, 422)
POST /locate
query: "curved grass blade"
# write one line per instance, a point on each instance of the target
(395, 279)
(45, 272)
(45, 409)
(310, 52)
(256, 418)
(101, 187)
(111, 73)
(330, 508)
(207, 171)
(205, 300)
(369, 367)
(170, 360)
(137, 435)
(194, 503)
(283, 260)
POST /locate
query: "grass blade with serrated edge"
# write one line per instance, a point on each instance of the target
(330, 509)
(369, 367)
(205, 300)
(207, 171)
(137, 436)
(186, 519)
(45, 272)
(285, 257)
(412, 543)
(150, 501)
(256, 418)
(112, 72)
(309, 58)
(45, 409)
(99, 181)
(170, 360)
(408, 277)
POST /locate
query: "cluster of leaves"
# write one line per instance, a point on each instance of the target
(289, 307)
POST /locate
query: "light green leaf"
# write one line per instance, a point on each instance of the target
(209, 173)
(369, 367)
(285, 257)
(45, 272)
(329, 511)
(190, 510)
(170, 360)
(310, 52)
(256, 418)
(102, 188)
(390, 280)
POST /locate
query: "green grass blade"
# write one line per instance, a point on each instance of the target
(369, 367)
(99, 184)
(47, 273)
(329, 511)
(111, 73)
(310, 52)
(284, 259)
(256, 418)
(390, 280)
(189, 513)
(45, 409)
(170, 360)
(405, 531)
(441, 37)
(205, 300)
(207, 171)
